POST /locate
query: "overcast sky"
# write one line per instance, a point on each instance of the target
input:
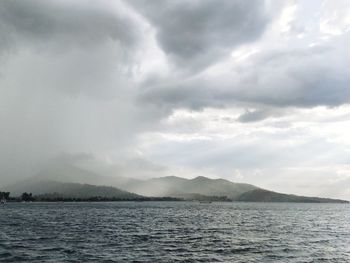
(247, 90)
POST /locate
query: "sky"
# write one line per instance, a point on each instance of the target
(248, 90)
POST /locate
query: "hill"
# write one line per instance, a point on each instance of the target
(71, 190)
(261, 195)
(71, 181)
(203, 188)
(182, 187)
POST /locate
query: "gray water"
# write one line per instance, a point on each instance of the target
(174, 232)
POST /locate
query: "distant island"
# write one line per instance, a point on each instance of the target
(171, 188)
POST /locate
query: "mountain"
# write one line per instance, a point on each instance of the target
(181, 187)
(261, 195)
(206, 189)
(69, 180)
(71, 190)
(68, 173)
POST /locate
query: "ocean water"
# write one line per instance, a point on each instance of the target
(174, 232)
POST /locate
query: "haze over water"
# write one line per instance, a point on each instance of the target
(174, 232)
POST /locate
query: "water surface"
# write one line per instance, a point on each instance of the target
(174, 232)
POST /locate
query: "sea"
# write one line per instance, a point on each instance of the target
(174, 232)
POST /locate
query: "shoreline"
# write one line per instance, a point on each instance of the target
(155, 200)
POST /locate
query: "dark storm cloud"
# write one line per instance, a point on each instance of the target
(252, 116)
(197, 33)
(296, 77)
(300, 77)
(63, 23)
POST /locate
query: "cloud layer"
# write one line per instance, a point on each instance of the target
(253, 91)
(197, 33)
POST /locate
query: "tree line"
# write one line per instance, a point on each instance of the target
(24, 197)
(55, 197)
(4, 195)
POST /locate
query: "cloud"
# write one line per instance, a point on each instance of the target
(64, 24)
(197, 33)
(252, 116)
(177, 87)
(293, 77)
(66, 80)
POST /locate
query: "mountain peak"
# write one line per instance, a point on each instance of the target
(201, 178)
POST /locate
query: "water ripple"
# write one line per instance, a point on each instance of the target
(174, 232)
